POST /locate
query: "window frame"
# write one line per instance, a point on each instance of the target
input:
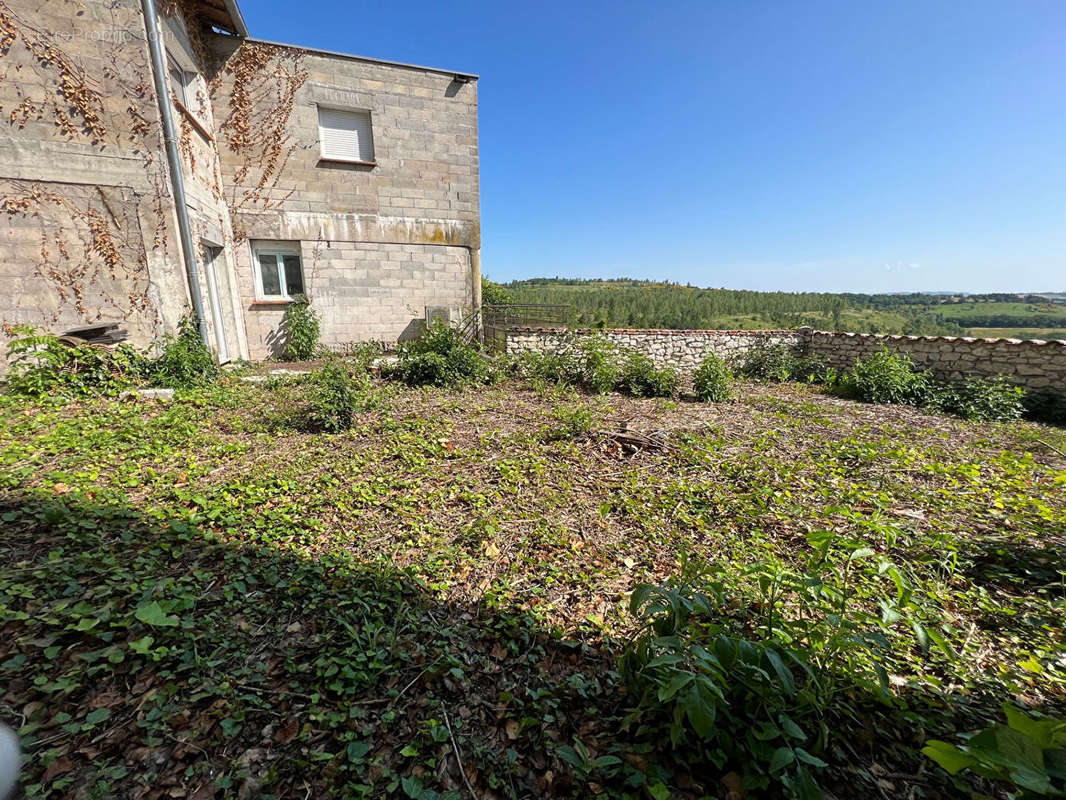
(176, 70)
(279, 250)
(323, 156)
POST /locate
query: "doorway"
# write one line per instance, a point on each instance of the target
(212, 256)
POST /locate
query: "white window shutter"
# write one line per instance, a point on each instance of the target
(345, 135)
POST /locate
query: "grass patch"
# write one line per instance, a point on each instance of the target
(193, 594)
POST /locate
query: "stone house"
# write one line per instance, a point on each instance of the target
(350, 180)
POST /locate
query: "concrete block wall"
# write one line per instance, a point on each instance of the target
(364, 291)
(87, 229)
(424, 127)
(378, 242)
(1035, 365)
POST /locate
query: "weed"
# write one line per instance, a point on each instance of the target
(362, 355)
(713, 380)
(184, 362)
(813, 369)
(331, 399)
(300, 329)
(769, 362)
(1029, 753)
(588, 362)
(985, 400)
(596, 365)
(642, 378)
(43, 365)
(744, 701)
(756, 688)
(780, 362)
(886, 377)
(440, 357)
(570, 422)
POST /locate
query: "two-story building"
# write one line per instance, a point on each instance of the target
(160, 162)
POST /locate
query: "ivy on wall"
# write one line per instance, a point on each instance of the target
(92, 249)
(263, 81)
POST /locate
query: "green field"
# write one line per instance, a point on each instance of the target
(648, 304)
(1019, 333)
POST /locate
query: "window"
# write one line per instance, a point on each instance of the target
(180, 79)
(279, 273)
(345, 135)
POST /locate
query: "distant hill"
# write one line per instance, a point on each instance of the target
(631, 303)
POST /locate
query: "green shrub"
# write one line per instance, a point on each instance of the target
(713, 380)
(745, 666)
(769, 362)
(544, 367)
(41, 364)
(1029, 753)
(988, 400)
(301, 330)
(597, 365)
(887, 377)
(591, 363)
(779, 363)
(570, 421)
(500, 367)
(331, 399)
(641, 378)
(727, 699)
(812, 369)
(185, 361)
(440, 357)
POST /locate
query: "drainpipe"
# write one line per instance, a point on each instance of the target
(475, 284)
(177, 183)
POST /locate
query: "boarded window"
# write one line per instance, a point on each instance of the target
(345, 135)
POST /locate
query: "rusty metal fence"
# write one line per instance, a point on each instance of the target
(495, 320)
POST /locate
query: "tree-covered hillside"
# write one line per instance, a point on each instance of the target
(646, 304)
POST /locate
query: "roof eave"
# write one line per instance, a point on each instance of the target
(466, 76)
(239, 26)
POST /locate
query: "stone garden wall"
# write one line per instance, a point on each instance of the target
(1034, 364)
(682, 349)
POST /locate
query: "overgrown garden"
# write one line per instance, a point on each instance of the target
(567, 576)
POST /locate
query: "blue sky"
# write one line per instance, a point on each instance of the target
(830, 146)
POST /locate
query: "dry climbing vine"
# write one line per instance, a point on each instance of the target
(106, 245)
(264, 83)
(92, 256)
(83, 102)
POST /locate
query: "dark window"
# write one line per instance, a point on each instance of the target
(294, 276)
(280, 270)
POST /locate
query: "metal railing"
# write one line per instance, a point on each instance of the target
(490, 323)
(495, 320)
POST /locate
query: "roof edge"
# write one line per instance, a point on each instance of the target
(352, 57)
(238, 18)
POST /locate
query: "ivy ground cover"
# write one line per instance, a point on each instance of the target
(199, 600)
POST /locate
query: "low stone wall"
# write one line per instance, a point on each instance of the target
(1032, 364)
(1035, 365)
(682, 349)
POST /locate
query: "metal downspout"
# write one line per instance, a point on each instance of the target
(475, 286)
(177, 183)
